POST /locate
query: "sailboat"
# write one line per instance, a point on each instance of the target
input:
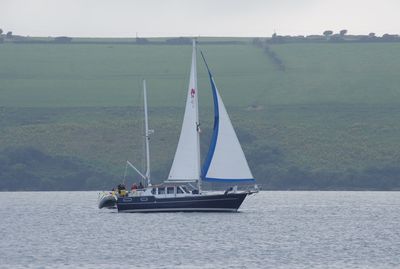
(225, 162)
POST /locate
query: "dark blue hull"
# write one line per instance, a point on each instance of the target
(198, 203)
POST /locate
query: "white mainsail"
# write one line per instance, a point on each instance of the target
(225, 161)
(186, 164)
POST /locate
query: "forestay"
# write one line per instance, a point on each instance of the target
(186, 164)
(225, 160)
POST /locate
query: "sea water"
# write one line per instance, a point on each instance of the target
(272, 230)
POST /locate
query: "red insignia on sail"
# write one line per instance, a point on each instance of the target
(192, 93)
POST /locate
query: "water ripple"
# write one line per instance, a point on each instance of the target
(273, 230)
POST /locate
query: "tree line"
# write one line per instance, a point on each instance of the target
(27, 168)
(11, 38)
(326, 36)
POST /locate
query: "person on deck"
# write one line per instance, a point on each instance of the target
(134, 187)
(141, 185)
(121, 190)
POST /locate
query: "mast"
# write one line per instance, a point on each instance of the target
(147, 133)
(194, 66)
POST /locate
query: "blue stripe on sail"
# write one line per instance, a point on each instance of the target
(214, 137)
(228, 179)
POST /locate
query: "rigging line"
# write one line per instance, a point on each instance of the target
(132, 113)
(204, 59)
(126, 170)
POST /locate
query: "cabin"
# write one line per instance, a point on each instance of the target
(164, 191)
(170, 190)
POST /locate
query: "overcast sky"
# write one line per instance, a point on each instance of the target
(126, 18)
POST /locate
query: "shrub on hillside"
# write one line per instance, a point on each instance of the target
(62, 39)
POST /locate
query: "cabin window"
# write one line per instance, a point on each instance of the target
(179, 190)
(185, 189)
(170, 190)
(153, 191)
(161, 190)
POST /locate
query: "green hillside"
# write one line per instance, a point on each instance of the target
(70, 114)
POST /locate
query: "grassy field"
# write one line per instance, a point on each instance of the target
(330, 119)
(46, 75)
